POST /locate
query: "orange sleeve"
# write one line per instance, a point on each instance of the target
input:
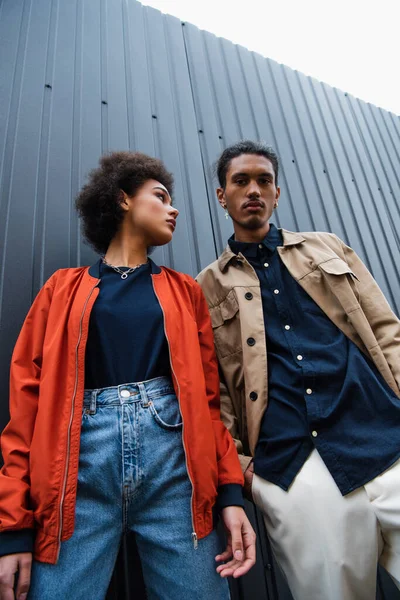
(16, 439)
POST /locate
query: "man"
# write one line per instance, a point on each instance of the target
(309, 355)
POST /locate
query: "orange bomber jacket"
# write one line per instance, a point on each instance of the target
(40, 444)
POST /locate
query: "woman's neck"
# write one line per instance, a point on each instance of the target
(125, 253)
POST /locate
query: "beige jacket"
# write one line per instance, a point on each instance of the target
(337, 280)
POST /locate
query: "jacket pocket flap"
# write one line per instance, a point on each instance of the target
(336, 266)
(225, 311)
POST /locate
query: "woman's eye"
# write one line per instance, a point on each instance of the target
(161, 196)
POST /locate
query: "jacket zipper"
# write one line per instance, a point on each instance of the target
(71, 419)
(194, 534)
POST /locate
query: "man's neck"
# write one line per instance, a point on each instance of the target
(250, 235)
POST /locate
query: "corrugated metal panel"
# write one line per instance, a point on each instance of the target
(80, 78)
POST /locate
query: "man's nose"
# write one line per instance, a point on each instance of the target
(253, 191)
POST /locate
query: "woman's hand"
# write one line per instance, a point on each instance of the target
(10, 565)
(241, 548)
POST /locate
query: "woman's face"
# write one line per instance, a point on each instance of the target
(150, 215)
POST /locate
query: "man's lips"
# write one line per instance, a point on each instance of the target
(172, 222)
(253, 205)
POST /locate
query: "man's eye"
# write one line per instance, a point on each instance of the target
(240, 181)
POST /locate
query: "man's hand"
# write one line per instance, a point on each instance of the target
(248, 481)
(10, 565)
(241, 547)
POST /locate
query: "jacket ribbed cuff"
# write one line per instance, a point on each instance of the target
(230, 494)
(13, 542)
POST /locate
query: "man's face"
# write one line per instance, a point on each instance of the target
(250, 195)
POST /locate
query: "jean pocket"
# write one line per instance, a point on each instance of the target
(166, 412)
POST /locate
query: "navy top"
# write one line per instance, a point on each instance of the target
(126, 341)
(323, 392)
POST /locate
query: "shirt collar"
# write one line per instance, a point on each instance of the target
(290, 238)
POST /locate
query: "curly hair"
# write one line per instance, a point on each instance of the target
(99, 201)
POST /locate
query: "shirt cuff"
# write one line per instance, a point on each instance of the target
(14, 542)
(230, 494)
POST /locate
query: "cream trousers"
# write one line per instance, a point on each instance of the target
(328, 545)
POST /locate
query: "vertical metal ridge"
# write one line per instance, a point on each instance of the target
(367, 204)
(74, 249)
(323, 153)
(7, 168)
(300, 127)
(104, 76)
(207, 174)
(272, 66)
(181, 149)
(128, 74)
(153, 108)
(39, 214)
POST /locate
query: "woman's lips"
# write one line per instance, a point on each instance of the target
(172, 222)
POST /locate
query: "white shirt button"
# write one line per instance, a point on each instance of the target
(260, 245)
(299, 357)
(266, 265)
(287, 327)
(276, 291)
(125, 393)
(308, 391)
(314, 433)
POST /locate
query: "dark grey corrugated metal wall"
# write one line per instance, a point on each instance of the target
(80, 78)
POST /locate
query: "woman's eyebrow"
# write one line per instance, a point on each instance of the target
(157, 187)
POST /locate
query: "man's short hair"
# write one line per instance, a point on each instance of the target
(245, 147)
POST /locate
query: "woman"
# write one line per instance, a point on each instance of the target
(115, 421)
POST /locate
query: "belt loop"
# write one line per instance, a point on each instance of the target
(143, 395)
(92, 407)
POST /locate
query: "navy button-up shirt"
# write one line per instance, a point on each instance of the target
(323, 392)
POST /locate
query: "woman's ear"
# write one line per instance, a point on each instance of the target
(124, 200)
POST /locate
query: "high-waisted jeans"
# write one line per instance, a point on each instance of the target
(132, 477)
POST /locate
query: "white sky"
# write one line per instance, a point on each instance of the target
(353, 45)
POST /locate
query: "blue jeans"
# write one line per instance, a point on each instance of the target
(132, 477)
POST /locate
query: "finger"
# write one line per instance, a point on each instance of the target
(226, 554)
(7, 591)
(237, 542)
(243, 568)
(232, 563)
(249, 562)
(228, 571)
(24, 577)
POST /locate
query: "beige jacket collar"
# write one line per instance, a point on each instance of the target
(290, 238)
